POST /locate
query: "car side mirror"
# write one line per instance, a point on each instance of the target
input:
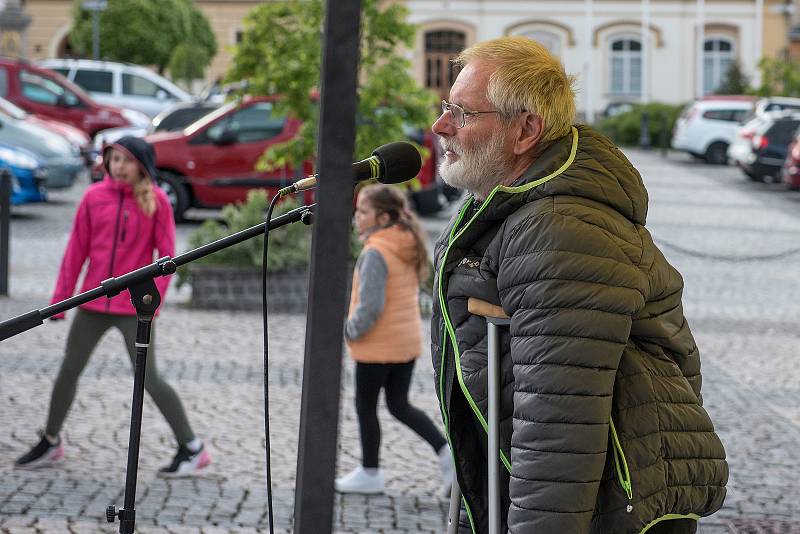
(228, 137)
(61, 102)
(161, 94)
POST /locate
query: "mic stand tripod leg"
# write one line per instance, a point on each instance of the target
(146, 299)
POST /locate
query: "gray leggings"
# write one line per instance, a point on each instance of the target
(85, 332)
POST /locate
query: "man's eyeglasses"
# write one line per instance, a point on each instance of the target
(458, 115)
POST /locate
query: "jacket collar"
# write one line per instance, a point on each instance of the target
(582, 164)
(117, 185)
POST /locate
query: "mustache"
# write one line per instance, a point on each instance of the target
(450, 144)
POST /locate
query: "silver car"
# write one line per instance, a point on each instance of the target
(62, 158)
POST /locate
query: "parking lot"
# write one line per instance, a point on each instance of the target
(734, 241)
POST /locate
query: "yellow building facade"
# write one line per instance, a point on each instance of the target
(52, 21)
(749, 29)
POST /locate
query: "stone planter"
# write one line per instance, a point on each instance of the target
(220, 287)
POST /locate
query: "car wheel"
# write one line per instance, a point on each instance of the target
(753, 176)
(177, 193)
(717, 153)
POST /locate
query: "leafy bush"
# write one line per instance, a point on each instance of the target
(289, 245)
(624, 129)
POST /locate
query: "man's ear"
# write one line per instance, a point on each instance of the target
(530, 133)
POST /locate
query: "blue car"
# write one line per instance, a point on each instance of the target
(28, 174)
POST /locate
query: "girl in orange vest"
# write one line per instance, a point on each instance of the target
(384, 329)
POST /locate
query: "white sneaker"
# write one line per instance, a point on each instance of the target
(359, 481)
(446, 470)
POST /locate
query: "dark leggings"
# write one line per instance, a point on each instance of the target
(85, 332)
(395, 378)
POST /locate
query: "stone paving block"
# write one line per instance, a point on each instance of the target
(742, 313)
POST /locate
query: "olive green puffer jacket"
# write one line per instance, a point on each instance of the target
(602, 426)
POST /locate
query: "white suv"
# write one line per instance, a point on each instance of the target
(120, 84)
(707, 127)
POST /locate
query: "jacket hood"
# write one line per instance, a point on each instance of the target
(583, 164)
(395, 240)
(138, 149)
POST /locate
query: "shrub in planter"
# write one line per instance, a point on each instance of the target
(231, 278)
(625, 128)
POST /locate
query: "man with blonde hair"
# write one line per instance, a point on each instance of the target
(602, 427)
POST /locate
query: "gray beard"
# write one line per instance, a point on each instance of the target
(478, 171)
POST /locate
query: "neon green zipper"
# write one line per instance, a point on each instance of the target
(448, 326)
(624, 477)
(621, 465)
(445, 339)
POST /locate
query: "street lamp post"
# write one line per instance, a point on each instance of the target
(95, 6)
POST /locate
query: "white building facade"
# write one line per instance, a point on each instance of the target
(602, 42)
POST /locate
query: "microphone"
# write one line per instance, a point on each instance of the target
(391, 163)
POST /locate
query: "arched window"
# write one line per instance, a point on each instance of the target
(441, 46)
(549, 40)
(625, 66)
(718, 54)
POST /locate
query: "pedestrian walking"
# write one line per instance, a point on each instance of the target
(384, 330)
(601, 426)
(121, 221)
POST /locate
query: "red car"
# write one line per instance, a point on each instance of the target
(790, 172)
(47, 93)
(212, 162)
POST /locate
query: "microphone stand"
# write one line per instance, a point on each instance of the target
(146, 299)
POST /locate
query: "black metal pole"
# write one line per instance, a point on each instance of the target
(664, 135)
(5, 225)
(644, 133)
(319, 410)
(126, 522)
(95, 34)
(146, 299)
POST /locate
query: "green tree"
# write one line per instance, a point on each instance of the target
(735, 82)
(280, 53)
(778, 77)
(187, 63)
(146, 32)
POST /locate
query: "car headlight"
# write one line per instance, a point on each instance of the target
(136, 118)
(18, 159)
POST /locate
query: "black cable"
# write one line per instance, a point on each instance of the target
(729, 258)
(264, 314)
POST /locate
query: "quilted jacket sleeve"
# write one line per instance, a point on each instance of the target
(571, 292)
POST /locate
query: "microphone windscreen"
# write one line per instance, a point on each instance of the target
(400, 161)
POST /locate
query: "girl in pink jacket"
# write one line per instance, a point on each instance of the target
(119, 224)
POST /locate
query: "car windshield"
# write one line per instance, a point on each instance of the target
(753, 125)
(208, 119)
(61, 80)
(181, 117)
(46, 90)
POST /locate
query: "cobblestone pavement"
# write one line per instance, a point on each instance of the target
(735, 242)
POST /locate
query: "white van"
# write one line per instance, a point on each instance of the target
(120, 84)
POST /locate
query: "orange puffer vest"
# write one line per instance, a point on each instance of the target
(396, 336)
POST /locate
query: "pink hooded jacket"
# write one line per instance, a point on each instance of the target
(114, 234)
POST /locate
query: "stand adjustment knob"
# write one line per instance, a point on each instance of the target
(111, 513)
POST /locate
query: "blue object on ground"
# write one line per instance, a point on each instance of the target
(28, 174)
